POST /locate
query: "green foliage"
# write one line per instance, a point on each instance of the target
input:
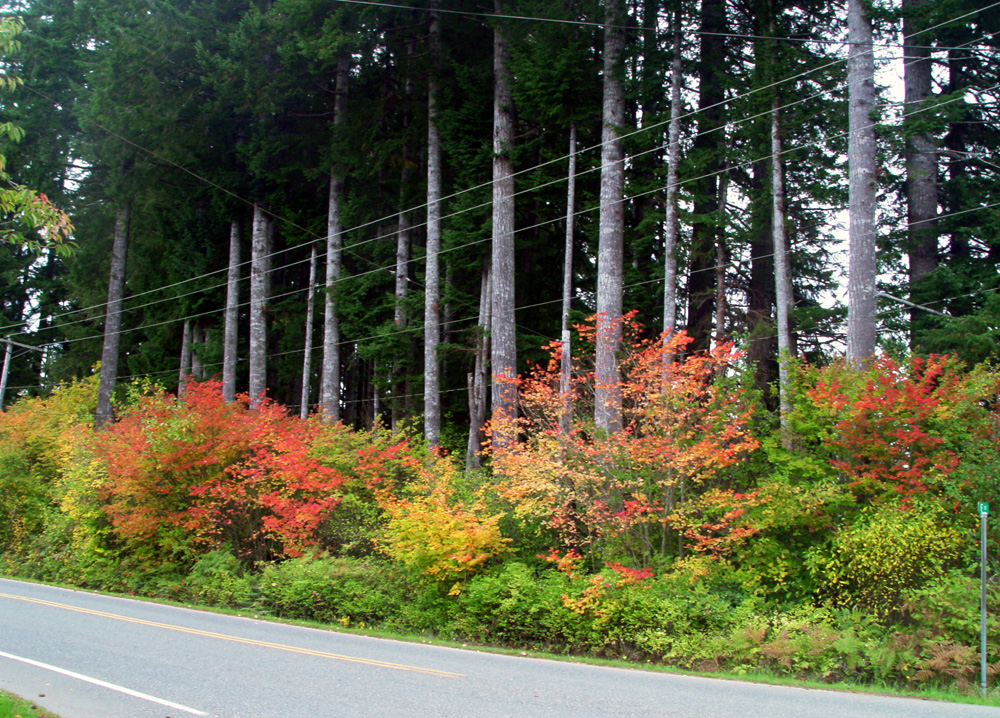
(346, 591)
(32, 434)
(839, 562)
(22, 208)
(884, 554)
(938, 642)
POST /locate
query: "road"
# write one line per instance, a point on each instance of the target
(83, 655)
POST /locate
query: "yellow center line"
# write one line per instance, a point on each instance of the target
(238, 639)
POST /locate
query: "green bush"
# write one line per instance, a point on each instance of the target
(512, 605)
(887, 552)
(332, 590)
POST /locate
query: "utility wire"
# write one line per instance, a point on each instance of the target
(786, 151)
(644, 28)
(531, 189)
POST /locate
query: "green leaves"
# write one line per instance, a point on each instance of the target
(27, 217)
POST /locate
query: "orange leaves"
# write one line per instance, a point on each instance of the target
(683, 422)
(223, 472)
(715, 522)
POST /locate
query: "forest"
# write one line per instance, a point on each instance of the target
(653, 329)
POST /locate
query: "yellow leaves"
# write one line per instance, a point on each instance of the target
(435, 531)
(886, 552)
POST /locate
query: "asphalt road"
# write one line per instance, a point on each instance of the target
(88, 656)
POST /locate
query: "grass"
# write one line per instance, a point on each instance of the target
(13, 707)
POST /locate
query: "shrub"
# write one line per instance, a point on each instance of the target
(886, 553)
(332, 590)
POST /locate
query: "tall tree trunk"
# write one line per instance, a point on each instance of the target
(761, 351)
(197, 351)
(308, 349)
(503, 335)
(113, 319)
(611, 232)
(258, 306)
(672, 223)
(565, 368)
(956, 141)
(231, 330)
(395, 383)
(707, 148)
(782, 274)
(432, 276)
(921, 163)
(721, 260)
(478, 384)
(330, 383)
(861, 298)
(185, 372)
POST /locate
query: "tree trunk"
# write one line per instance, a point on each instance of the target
(761, 339)
(197, 349)
(921, 164)
(113, 319)
(185, 372)
(611, 232)
(672, 223)
(782, 274)
(307, 354)
(330, 383)
(478, 384)
(708, 147)
(565, 368)
(432, 277)
(721, 260)
(861, 326)
(232, 315)
(503, 336)
(956, 141)
(258, 306)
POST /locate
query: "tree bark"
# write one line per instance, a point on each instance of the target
(721, 260)
(862, 271)
(231, 330)
(782, 274)
(185, 372)
(566, 361)
(478, 384)
(330, 399)
(197, 348)
(672, 222)
(921, 163)
(258, 306)
(113, 319)
(503, 335)
(707, 148)
(611, 231)
(432, 277)
(307, 354)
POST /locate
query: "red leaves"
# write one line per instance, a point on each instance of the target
(888, 428)
(682, 424)
(223, 472)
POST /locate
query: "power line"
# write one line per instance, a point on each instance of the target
(644, 28)
(589, 210)
(532, 169)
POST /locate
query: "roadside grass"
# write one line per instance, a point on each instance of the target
(930, 693)
(13, 707)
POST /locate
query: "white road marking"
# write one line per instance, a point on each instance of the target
(105, 684)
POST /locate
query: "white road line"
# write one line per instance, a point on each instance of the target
(105, 684)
